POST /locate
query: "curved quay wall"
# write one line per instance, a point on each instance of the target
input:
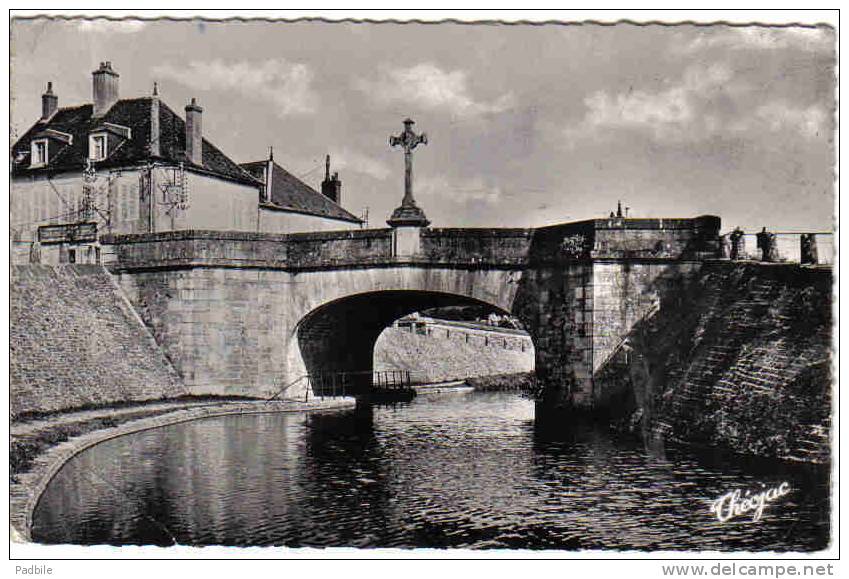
(25, 494)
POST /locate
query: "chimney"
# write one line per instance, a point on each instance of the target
(331, 187)
(269, 174)
(194, 132)
(49, 103)
(154, 122)
(105, 88)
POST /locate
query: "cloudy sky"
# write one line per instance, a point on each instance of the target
(527, 125)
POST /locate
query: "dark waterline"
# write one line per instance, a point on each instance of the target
(459, 470)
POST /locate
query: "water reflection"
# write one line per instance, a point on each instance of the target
(458, 470)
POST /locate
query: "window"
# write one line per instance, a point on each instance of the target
(97, 147)
(39, 153)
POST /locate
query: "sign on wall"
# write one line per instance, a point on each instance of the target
(68, 233)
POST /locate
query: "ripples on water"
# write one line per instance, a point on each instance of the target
(458, 470)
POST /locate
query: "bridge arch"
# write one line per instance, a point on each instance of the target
(340, 335)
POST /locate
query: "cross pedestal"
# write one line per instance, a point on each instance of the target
(406, 240)
(409, 216)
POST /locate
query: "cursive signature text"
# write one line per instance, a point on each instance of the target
(736, 503)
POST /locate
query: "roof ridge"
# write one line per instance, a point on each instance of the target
(133, 113)
(89, 104)
(69, 108)
(323, 199)
(311, 187)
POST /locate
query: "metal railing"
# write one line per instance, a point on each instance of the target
(343, 384)
(392, 379)
(331, 385)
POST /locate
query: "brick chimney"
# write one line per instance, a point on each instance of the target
(49, 102)
(331, 187)
(104, 88)
(194, 132)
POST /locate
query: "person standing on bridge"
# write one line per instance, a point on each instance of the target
(766, 243)
(738, 247)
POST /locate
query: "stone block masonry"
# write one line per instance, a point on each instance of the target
(452, 353)
(75, 341)
(738, 357)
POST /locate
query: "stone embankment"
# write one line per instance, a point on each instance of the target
(450, 352)
(518, 382)
(739, 357)
(92, 427)
(75, 342)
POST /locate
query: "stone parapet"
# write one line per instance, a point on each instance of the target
(631, 239)
(479, 245)
(598, 239)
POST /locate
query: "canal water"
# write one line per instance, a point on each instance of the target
(462, 470)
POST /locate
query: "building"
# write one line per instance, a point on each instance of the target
(135, 166)
(288, 204)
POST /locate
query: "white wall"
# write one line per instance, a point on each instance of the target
(41, 201)
(274, 221)
(33, 202)
(213, 203)
(37, 201)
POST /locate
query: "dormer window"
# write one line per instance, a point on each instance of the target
(38, 154)
(97, 147)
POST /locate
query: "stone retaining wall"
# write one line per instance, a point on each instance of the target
(739, 357)
(75, 341)
(451, 354)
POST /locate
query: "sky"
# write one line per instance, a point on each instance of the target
(527, 125)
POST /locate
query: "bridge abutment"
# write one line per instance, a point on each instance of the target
(587, 285)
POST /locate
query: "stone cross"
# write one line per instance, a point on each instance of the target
(408, 214)
(408, 140)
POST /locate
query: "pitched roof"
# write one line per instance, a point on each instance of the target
(135, 115)
(291, 194)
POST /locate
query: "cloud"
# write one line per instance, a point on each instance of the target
(105, 26)
(359, 163)
(668, 114)
(429, 87)
(475, 189)
(287, 85)
(705, 102)
(807, 121)
(763, 38)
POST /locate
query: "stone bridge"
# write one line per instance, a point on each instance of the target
(249, 313)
